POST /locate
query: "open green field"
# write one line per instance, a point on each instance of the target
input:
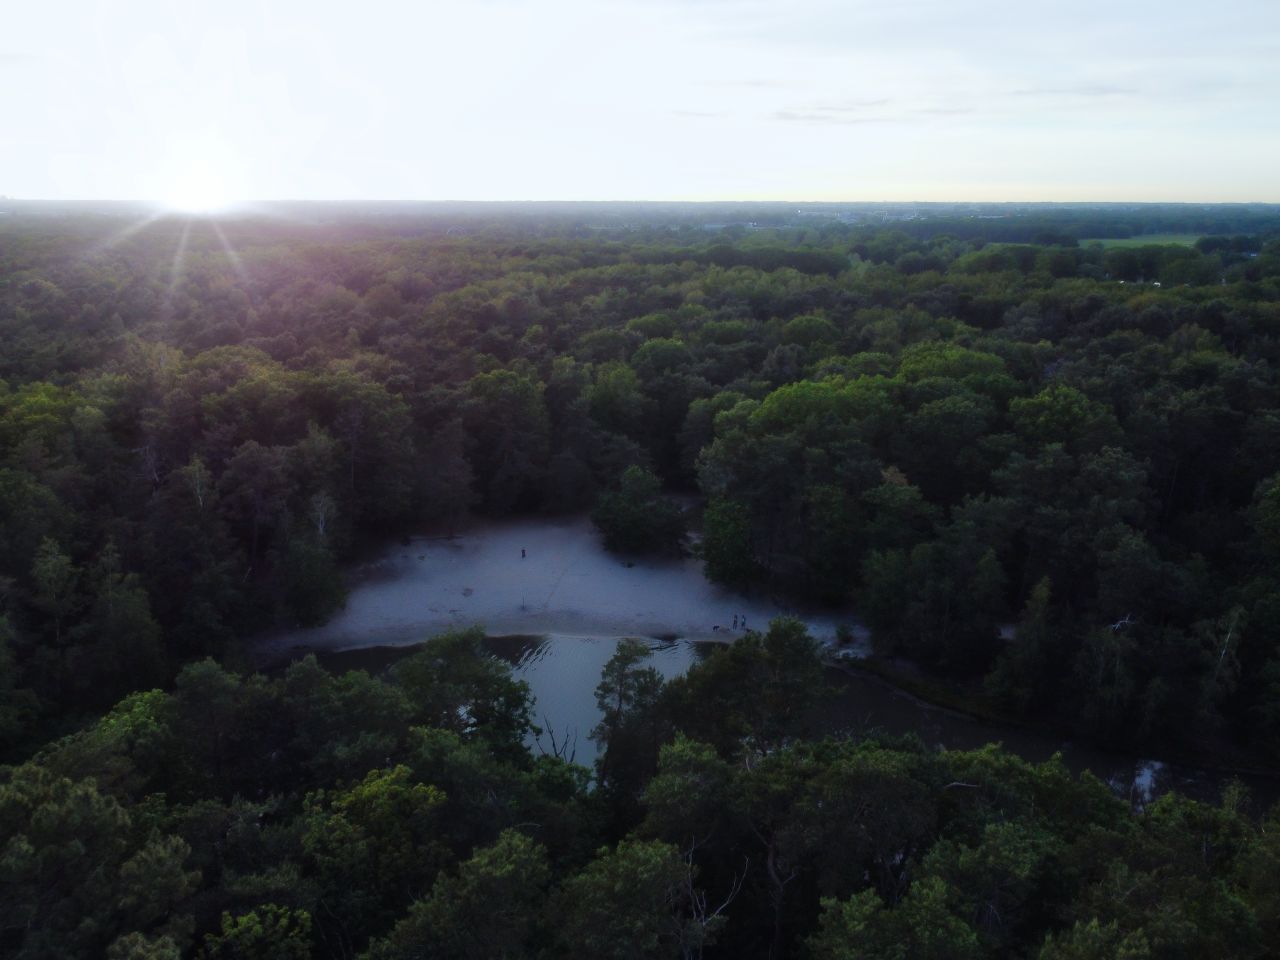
(1146, 240)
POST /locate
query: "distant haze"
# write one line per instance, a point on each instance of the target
(661, 99)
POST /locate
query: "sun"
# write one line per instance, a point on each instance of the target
(201, 178)
(198, 192)
(198, 173)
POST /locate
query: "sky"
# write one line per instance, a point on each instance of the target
(206, 103)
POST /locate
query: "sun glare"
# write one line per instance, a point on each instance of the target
(198, 178)
(198, 195)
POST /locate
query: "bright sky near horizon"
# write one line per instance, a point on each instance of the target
(641, 100)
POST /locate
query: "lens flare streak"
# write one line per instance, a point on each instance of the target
(179, 262)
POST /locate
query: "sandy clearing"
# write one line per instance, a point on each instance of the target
(565, 584)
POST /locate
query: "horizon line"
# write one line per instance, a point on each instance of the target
(245, 205)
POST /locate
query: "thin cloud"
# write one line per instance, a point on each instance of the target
(751, 84)
(793, 116)
(853, 112)
(842, 113)
(855, 106)
(1084, 90)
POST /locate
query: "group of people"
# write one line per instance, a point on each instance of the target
(739, 623)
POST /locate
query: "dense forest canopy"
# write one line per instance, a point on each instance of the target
(1043, 466)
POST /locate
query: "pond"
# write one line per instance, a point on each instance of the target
(555, 605)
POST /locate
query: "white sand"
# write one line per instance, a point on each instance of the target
(565, 584)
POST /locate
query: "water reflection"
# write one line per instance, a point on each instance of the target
(563, 672)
